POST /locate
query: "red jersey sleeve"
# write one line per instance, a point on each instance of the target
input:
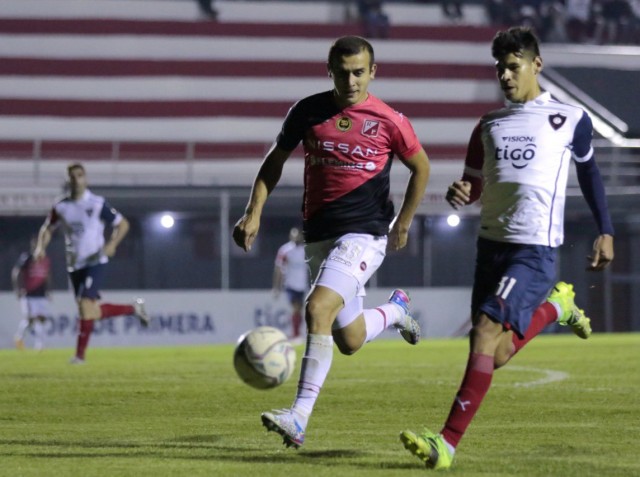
(473, 163)
(404, 141)
(53, 216)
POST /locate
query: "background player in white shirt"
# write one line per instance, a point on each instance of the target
(350, 138)
(517, 164)
(291, 274)
(83, 216)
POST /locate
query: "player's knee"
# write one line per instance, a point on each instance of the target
(485, 337)
(318, 315)
(89, 309)
(500, 359)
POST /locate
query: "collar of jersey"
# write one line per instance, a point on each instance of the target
(543, 98)
(85, 194)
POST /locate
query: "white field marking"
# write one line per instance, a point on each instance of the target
(549, 376)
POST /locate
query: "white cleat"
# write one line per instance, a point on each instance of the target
(141, 312)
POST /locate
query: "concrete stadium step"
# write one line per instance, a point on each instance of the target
(233, 29)
(146, 80)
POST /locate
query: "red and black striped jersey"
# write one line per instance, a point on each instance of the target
(348, 154)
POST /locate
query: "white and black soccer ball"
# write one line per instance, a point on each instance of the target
(264, 358)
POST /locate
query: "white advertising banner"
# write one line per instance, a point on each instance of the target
(208, 317)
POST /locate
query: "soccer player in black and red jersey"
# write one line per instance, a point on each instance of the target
(31, 279)
(350, 139)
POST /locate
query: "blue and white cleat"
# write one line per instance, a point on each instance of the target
(408, 327)
(284, 423)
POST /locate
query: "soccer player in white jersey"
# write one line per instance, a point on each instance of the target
(291, 274)
(350, 139)
(517, 164)
(83, 216)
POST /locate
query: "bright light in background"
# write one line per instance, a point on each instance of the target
(453, 220)
(167, 221)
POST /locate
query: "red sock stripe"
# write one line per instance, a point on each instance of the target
(475, 384)
(109, 310)
(384, 317)
(84, 333)
(544, 315)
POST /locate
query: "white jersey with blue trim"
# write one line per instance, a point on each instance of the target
(522, 154)
(83, 223)
(292, 262)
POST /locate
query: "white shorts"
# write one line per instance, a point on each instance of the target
(35, 306)
(345, 265)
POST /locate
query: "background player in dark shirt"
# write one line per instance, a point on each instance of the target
(31, 279)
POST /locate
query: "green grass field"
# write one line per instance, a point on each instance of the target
(562, 407)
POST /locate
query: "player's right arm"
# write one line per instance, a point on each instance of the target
(468, 189)
(278, 272)
(278, 278)
(44, 236)
(246, 229)
(17, 278)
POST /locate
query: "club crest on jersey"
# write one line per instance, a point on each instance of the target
(557, 120)
(370, 128)
(343, 124)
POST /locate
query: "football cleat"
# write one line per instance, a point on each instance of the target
(141, 312)
(76, 360)
(408, 327)
(430, 448)
(284, 423)
(563, 296)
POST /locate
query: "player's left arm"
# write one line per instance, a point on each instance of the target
(120, 228)
(592, 187)
(420, 169)
(17, 279)
(246, 228)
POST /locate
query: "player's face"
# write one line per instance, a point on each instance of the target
(77, 181)
(351, 76)
(518, 77)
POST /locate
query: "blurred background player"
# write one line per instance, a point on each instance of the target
(31, 280)
(518, 159)
(291, 274)
(83, 216)
(350, 138)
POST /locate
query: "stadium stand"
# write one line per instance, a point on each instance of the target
(155, 82)
(154, 92)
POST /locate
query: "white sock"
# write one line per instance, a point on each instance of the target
(38, 331)
(452, 450)
(22, 327)
(315, 367)
(380, 318)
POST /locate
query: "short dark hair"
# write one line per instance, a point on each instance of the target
(517, 40)
(74, 165)
(349, 46)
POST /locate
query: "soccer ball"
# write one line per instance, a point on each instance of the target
(264, 358)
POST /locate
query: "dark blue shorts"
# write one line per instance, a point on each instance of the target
(294, 296)
(88, 281)
(511, 281)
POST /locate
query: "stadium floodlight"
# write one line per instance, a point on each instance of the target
(453, 220)
(167, 221)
